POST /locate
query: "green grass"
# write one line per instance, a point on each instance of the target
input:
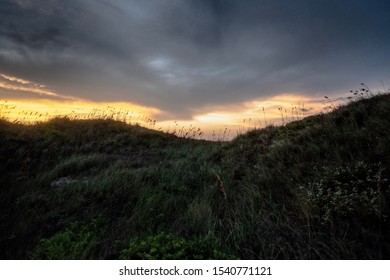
(317, 188)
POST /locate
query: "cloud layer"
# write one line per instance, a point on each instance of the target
(17, 85)
(186, 56)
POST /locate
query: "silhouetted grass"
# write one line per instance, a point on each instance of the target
(315, 188)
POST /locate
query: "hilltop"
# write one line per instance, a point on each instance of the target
(317, 188)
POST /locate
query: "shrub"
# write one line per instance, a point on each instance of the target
(74, 243)
(346, 192)
(170, 246)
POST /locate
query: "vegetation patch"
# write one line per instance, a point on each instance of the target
(316, 188)
(74, 243)
(167, 246)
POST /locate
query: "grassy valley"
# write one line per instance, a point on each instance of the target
(316, 188)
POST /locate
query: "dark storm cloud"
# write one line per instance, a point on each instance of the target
(185, 55)
(36, 40)
(31, 26)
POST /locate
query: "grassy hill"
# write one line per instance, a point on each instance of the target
(317, 188)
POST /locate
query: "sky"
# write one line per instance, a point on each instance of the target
(189, 60)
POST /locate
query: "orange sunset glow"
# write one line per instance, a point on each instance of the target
(255, 114)
(232, 121)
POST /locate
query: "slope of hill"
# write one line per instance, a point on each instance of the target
(312, 189)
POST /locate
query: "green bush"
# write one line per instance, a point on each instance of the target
(346, 192)
(169, 246)
(74, 243)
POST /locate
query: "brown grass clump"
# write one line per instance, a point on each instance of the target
(220, 185)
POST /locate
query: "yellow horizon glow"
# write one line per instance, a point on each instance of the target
(211, 121)
(32, 111)
(226, 123)
(265, 110)
(253, 114)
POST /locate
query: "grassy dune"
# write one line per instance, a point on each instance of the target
(317, 188)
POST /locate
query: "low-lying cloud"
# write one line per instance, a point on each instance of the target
(14, 84)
